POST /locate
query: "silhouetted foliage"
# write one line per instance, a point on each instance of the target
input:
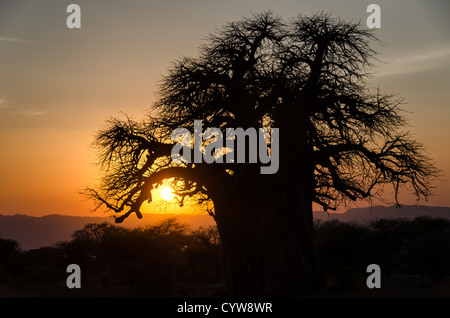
(9, 249)
(428, 254)
(419, 247)
(162, 260)
(43, 268)
(390, 235)
(169, 260)
(9, 254)
(345, 250)
(427, 249)
(197, 258)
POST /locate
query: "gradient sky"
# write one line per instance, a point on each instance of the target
(59, 85)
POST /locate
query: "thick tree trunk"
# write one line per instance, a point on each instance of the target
(266, 222)
(267, 238)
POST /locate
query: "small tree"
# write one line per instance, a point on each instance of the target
(338, 142)
(10, 252)
(209, 239)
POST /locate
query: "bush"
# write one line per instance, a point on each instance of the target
(344, 250)
(428, 254)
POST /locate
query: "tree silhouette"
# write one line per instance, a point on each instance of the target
(338, 142)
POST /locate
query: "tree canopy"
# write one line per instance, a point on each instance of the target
(307, 76)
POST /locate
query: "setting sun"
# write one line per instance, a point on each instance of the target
(167, 194)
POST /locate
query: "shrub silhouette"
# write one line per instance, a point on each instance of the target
(345, 250)
(9, 253)
(390, 235)
(152, 260)
(427, 251)
(146, 259)
(204, 254)
(420, 246)
(429, 255)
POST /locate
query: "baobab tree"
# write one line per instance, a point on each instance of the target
(338, 141)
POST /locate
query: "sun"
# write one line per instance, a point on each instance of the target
(167, 193)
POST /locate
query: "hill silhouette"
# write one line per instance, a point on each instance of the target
(361, 215)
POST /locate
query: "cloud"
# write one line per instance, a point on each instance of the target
(7, 109)
(32, 113)
(12, 39)
(4, 103)
(416, 62)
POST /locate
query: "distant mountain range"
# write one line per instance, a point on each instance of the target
(381, 212)
(35, 232)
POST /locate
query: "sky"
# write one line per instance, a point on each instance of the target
(59, 85)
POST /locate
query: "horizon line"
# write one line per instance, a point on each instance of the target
(206, 214)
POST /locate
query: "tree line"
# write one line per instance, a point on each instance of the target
(414, 253)
(163, 260)
(170, 260)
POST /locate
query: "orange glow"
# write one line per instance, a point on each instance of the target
(58, 86)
